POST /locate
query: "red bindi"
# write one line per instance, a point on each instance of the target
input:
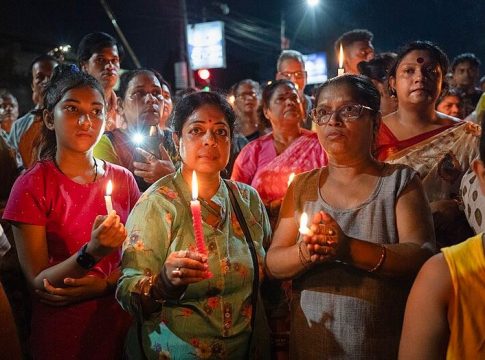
(420, 60)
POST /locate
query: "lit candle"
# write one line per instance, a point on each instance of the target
(197, 220)
(341, 70)
(107, 197)
(304, 229)
(290, 179)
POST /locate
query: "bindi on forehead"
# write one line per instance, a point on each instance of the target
(420, 60)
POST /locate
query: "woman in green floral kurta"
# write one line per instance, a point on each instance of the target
(164, 283)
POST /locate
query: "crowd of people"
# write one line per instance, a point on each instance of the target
(263, 222)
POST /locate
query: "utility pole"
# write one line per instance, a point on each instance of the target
(123, 39)
(183, 71)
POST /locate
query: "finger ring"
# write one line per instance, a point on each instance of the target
(331, 232)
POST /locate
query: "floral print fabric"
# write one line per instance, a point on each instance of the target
(213, 318)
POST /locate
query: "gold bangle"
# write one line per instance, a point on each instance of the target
(305, 262)
(381, 259)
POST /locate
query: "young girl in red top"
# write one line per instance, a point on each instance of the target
(69, 249)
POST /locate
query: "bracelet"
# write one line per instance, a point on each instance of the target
(305, 262)
(381, 260)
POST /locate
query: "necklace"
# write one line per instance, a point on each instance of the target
(95, 168)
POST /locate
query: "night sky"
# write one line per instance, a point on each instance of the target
(252, 29)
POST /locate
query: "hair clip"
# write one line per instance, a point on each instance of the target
(74, 68)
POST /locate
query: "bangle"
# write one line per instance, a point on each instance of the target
(305, 262)
(381, 260)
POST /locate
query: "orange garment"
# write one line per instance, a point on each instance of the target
(466, 311)
(29, 141)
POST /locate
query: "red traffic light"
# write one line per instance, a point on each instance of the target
(204, 74)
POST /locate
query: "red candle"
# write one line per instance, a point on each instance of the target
(197, 220)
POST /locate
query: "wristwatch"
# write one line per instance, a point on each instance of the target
(84, 259)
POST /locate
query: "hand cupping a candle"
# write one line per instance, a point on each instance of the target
(108, 234)
(324, 237)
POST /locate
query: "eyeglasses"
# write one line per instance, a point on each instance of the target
(346, 113)
(142, 95)
(251, 95)
(295, 74)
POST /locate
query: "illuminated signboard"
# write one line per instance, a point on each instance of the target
(316, 67)
(206, 45)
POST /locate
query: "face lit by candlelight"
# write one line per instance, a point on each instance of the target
(78, 119)
(205, 142)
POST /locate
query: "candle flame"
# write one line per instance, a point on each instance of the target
(341, 57)
(290, 179)
(109, 188)
(195, 186)
(304, 224)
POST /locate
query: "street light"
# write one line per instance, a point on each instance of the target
(312, 3)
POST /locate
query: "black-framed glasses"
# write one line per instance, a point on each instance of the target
(345, 113)
(295, 74)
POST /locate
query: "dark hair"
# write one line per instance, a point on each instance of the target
(95, 42)
(64, 78)
(449, 91)
(164, 82)
(378, 68)
(365, 90)
(188, 104)
(42, 58)
(250, 82)
(127, 76)
(436, 54)
(466, 57)
(352, 36)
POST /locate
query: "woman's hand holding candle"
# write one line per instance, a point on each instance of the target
(325, 238)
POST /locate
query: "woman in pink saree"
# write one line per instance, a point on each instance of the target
(268, 162)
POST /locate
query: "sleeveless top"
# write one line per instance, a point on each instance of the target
(338, 311)
(466, 311)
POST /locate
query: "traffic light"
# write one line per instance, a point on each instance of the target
(203, 79)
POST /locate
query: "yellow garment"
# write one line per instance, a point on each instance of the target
(480, 105)
(466, 312)
(104, 150)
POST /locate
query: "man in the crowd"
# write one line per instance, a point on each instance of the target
(466, 70)
(99, 55)
(27, 129)
(357, 47)
(9, 110)
(291, 66)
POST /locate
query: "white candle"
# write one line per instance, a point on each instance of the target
(304, 229)
(290, 179)
(341, 70)
(107, 197)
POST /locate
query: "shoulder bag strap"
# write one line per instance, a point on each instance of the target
(252, 249)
